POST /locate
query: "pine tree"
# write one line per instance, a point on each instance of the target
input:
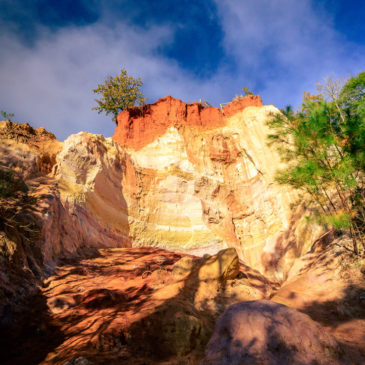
(323, 144)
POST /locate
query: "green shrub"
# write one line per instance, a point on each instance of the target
(118, 93)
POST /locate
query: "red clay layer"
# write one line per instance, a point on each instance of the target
(139, 126)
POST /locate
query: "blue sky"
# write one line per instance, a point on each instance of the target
(54, 52)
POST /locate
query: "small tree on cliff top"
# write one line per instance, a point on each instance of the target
(247, 92)
(5, 115)
(118, 93)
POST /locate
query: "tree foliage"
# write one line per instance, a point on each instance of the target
(352, 95)
(6, 115)
(117, 93)
(247, 92)
(323, 144)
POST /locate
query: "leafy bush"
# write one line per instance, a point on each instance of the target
(118, 93)
(6, 115)
(247, 92)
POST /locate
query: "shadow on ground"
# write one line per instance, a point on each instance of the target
(129, 305)
(29, 335)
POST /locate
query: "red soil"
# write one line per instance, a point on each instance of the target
(139, 126)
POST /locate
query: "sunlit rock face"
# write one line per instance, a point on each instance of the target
(93, 214)
(201, 177)
(163, 208)
(27, 151)
(179, 176)
(76, 186)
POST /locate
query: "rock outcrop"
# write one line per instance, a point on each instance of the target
(26, 154)
(263, 332)
(77, 186)
(89, 174)
(203, 177)
(27, 151)
(178, 176)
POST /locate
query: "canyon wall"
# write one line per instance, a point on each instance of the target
(202, 178)
(65, 200)
(179, 176)
(76, 191)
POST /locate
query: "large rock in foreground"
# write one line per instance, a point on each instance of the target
(223, 266)
(263, 332)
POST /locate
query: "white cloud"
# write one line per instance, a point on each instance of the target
(285, 46)
(279, 48)
(51, 83)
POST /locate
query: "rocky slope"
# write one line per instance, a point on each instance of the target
(95, 214)
(178, 176)
(151, 306)
(181, 176)
(143, 305)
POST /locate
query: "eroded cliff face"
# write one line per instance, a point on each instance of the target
(179, 176)
(89, 172)
(69, 202)
(176, 176)
(201, 177)
(73, 206)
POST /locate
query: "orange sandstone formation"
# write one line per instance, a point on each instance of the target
(139, 126)
(202, 178)
(178, 176)
(183, 177)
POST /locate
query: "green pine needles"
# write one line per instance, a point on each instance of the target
(118, 93)
(324, 147)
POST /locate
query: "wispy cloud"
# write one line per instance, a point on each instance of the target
(282, 47)
(277, 48)
(51, 83)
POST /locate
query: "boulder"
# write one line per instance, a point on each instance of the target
(184, 266)
(176, 328)
(263, 332)
(222, 266)
(207, 279)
